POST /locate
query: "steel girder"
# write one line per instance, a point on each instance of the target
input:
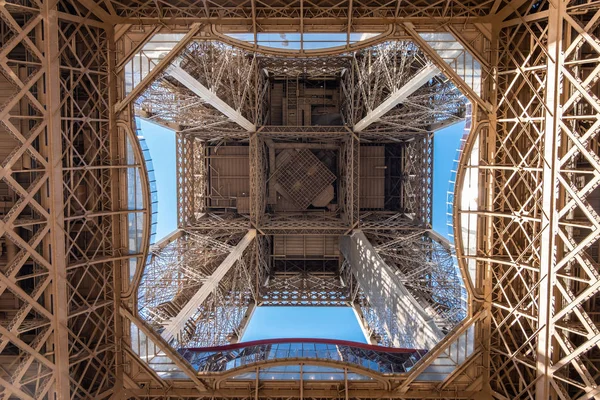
(63, 212)
(537, 274)
(342, 16)
(539, 164)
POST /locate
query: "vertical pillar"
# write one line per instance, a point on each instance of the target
(549, 220)
(301, 382)
(118, 204)
(256, 382)
(55, 202)
(346, 397)
(487, 140)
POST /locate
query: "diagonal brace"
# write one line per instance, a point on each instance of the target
(178, 322)
(210, 97)
(388, 296)
(398, 96)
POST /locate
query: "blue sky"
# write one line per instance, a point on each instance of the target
(161, 143)
(304, 322)
(272, 322)
(445, 144)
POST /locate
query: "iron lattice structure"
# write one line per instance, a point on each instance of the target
(176, 272)
(76, 209)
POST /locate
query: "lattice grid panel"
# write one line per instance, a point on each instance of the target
(304, 177)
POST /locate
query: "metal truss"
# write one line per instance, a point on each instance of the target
(258, 185)
(230, 75)
(378, 72)
(538, 164)
(317, 134)
(341, 15)
(413, 263)
(68, 263)
(388, 73)
(263, 263)
(173, 106)
(185, 264)
(368, 77)
(418, 179)
(261, 94)
(372, 326)
(320, 222)
(210, 221)
(370, 321)
(182, 269)
(431, 106)
(304, 224)
(426, 268)
(349, 155)
(294, 285)
(313, 67)
(65, 266)
(191, 180)
(382, 220)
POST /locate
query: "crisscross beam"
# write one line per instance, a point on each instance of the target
(397, 97)
(176, 324)
(414, 327)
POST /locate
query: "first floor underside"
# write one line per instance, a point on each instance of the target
(303, 178)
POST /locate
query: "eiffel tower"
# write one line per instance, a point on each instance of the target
(304, 135)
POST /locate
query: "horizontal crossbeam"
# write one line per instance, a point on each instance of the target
(388, 296)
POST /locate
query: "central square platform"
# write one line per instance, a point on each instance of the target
(304, 177)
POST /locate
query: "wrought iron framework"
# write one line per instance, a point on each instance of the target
(74, 240)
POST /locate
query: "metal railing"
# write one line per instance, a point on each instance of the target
(385, 360)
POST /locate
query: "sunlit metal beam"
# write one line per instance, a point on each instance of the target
(388, 296)
(243, 326)
(398, 96)
(210, 97)
(176, 324)
(158, 69)
(363, 324)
